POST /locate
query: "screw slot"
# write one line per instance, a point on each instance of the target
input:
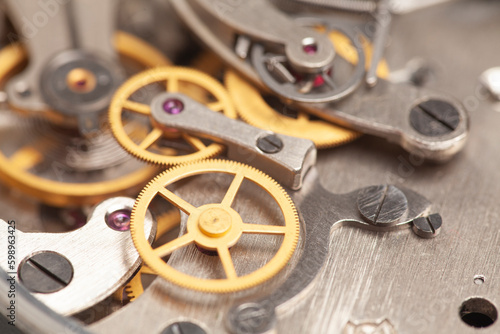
(183, 327)
(478, 312)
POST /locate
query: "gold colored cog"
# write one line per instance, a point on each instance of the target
(215, 226)
(175, 78)
(254, 110)
(16, 174)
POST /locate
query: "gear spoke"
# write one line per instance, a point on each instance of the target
(172, 85)
(196, 143)
(151, 138)
(177, 201)
(233, 189)
(227, 262)
(137, 107)
(173, 245)
(215, 106)
(263, 229)
(328, 80)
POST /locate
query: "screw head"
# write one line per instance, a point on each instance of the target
(45, 272)
(184, 327)
(119, 220)
(434, 118)
(383, 205)
(252, 318)
(173, 106)
(428, 227)
(270, 144)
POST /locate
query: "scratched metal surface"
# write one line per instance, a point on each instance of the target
(416, 285)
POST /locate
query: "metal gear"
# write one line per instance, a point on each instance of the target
(16, 167)
(173, 76)
(215, 227)
(253, 108)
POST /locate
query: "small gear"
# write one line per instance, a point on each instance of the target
(255, 110)
(177, 79)
(215, 227)
(16, 166)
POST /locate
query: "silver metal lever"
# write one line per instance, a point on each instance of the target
(62, 36)
(285, 158)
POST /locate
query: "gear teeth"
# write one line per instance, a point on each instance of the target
(192, 78)
(257, 277)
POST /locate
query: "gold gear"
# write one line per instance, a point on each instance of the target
(215, 226)
(57, 193)
(254, 110)
(176, 78)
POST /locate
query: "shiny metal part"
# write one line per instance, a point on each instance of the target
(383, 205)
(491, 81)
(184, 327)
(95, 251)
(383, 18)
(428, 227)
(272, 70)
(305, 90)
(288, 165)
(50, 28)
(264, 23)
(323, 212)
(85, 106)
(385, 111)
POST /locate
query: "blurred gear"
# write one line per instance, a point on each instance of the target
(57, 166)
(215, 227)
(253, 108)
(165, 222)
(151, 148)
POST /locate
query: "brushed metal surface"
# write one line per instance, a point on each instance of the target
(409, 284)
(103, 259)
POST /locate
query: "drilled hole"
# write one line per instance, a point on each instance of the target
(479, 279)
(309, 45)
(478, 312)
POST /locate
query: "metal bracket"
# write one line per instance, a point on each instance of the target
(285, 158)
(95, 251)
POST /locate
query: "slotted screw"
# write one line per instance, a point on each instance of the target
(270, 144)
(45, 272)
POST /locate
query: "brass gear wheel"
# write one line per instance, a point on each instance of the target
(253, 108)
(177, 79)
(215, 227)
(16, 173)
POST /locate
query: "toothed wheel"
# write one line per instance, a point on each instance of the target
(24, 162)
(150, 147)
(215, 227)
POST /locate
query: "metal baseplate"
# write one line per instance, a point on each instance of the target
(244, 167)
